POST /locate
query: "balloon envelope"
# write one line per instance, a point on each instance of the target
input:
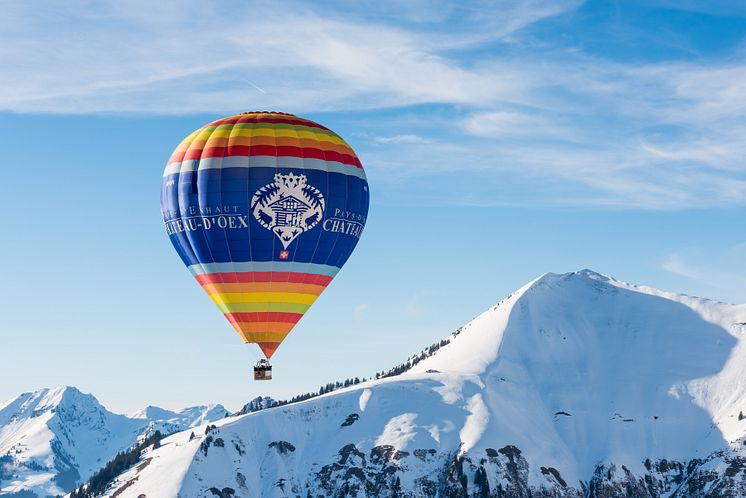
(264, 209)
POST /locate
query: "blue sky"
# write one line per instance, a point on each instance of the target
(501, 139)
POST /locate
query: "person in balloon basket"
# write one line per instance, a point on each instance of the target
(263, 370)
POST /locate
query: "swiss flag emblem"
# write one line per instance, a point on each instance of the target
(284, 254)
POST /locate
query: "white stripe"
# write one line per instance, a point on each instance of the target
(264, 162)
(182, 167)
(264, 266)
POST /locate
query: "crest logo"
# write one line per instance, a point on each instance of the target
(288, 207)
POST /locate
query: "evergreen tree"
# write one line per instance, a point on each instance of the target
(396, 490)
(481, 483)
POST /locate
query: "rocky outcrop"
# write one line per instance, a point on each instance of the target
(505, 473)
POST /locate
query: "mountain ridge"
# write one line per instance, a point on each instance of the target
(577, 384)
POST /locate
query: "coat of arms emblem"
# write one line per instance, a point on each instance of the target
(288, 207)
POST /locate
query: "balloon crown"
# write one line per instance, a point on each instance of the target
(266, 112)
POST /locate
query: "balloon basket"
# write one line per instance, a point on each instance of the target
(263, 370)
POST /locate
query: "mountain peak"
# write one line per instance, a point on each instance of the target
(46, 400)
(585, 275)
(64, 395)
(588, 273)
(152, 412)
(561, 322)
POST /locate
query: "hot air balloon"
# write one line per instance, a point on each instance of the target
(264, 208)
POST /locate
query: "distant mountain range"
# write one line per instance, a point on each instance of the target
(576, 385)
(54, 439)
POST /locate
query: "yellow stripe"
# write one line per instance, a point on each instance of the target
(202, 134)
(271, 141)
(189, 138)
(262, 297)
(253, 307)
(205, 133)
(271, 132)
(276, 126)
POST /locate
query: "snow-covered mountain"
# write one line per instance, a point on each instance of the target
(52, 440)
(167, 421)
(576, 385)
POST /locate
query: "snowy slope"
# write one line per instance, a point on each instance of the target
(615, 357)
(574, 385)
(53, 439)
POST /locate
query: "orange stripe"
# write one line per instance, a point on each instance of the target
(263, 336)
(248, 327)
(264, 287)
(268, 348)
(261, 140)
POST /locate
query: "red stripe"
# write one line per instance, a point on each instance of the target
(274, 316)
(267, 150)
(177, 156)
(263, 276)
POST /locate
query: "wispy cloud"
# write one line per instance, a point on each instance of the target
(622, 136)
(714, 271)
(137, 57)
(527, 123)
(360, 310)
(677, 265)
(401, 139)
(416, 305)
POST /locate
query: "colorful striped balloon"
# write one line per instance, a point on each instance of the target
(264, 208)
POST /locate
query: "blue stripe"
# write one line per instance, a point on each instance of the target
(209, 218)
